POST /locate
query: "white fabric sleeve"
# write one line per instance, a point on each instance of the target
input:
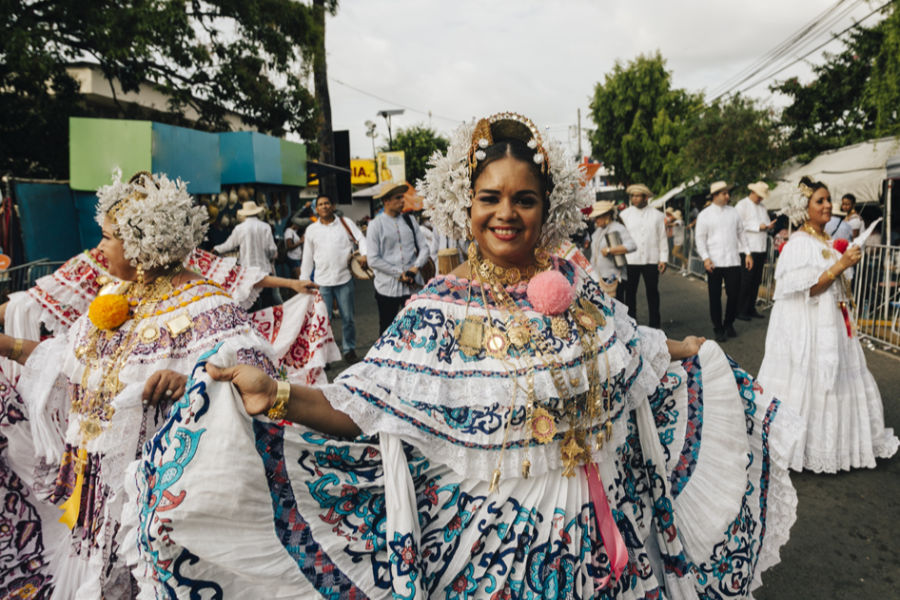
(799, 267)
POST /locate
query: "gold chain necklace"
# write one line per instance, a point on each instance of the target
(495, 337)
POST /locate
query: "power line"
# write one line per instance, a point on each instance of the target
(817, 48)
(404, 106)
(793, 44)
(778, 50)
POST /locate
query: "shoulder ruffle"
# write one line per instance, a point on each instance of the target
(799, 266)
(416, 383)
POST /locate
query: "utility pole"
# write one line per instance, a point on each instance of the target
(387, 114)
(580, 156)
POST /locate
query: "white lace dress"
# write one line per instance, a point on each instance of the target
(695, 479)
(814, 366)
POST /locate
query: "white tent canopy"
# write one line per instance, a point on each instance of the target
(659, 202)
(858, 169)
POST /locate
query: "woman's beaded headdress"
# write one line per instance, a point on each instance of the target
(155, 218)
(447, 185)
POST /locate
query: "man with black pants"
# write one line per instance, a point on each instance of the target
(720, 240)
(757, 225)
(648, 230)
(396, 251)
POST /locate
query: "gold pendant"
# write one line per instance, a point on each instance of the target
(150, 333)
(90, 428)
(609, 429)
(180, 324)
(495, 481)
(560, 327)
(470, 335)
(826, 253)
(591, 309)
(543, 427)
(495, 343)
(570, 452)
(519, 335)
(586, 321)
(526, 469)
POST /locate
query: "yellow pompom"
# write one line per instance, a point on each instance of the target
(108, 311)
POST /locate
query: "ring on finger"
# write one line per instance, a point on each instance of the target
(168, 393)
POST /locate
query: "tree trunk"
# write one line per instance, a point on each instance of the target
(325, 136)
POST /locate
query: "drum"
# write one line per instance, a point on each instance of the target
(357, 269)
(448, 259)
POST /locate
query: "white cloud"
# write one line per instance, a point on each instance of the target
(466, 58)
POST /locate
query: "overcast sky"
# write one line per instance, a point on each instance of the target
(460, 59)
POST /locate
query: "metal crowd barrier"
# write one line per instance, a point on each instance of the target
(21, 277)
(694, 268)
(876, 295)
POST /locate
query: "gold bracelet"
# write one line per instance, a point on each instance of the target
(279, 408)
(16, 351)
(829, 274)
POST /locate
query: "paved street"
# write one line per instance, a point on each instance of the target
(845, 542)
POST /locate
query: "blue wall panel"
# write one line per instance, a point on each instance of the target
(89, 230)
(48, 217)
(191, 155)
(267, 158)
(236, 156)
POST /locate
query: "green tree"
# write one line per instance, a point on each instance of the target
(639, 122)
(418, 143)
(881, 94)
(734, 139)
(209, 56)
(829, 112)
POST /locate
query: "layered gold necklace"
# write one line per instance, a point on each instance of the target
(513, 336)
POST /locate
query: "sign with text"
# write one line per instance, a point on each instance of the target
(391, 167)
(362, 172)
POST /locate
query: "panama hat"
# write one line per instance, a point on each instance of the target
(250, 209)
(638, 189)
(760, 189)
(389, 189)
(601, 208)
(717, 186)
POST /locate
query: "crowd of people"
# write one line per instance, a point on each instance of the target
(513, 432)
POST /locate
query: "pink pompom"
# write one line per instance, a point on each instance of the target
(840, 244)
(550, 292)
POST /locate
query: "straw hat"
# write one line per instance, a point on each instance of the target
(717, 186)
(638, 189)
(389, 189)
(250, 209)
(760, 189)
(669, 210)
(677, 214)
(601, 208)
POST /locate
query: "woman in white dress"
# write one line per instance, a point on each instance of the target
(813, 359)
(512, 434)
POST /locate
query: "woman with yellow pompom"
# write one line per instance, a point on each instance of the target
(87, 400)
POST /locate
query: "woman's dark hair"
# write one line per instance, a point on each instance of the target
(851, 198)
(813, 185)
(517, 149)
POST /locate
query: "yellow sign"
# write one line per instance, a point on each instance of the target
(392, 166)
(362, 172)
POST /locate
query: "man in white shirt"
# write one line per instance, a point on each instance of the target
(256, 248)
(329, 243)
(852, 218)
(720, 241)
(757, 225)
(396, 251)
(648, 230)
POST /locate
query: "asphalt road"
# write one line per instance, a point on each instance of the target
(845, 543)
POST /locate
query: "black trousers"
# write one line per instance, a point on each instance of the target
(731, 276)
(650, 273)
(750, 281)
(388, 307)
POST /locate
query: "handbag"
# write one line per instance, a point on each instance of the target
(355, 262)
